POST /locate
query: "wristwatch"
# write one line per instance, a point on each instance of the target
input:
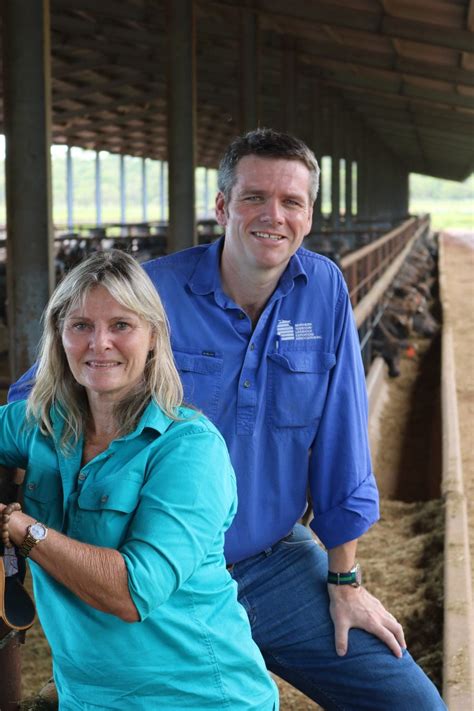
(353, 577)
(35, 533)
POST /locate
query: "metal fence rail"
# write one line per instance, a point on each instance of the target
(363, 268)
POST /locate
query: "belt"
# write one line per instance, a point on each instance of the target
(267, 551)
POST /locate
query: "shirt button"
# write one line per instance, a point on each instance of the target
(241, 315)
(81, 477)
(252, 346)
(31, 487)
(246, 383)
(104, 498)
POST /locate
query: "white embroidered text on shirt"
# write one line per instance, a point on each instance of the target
(299, 331)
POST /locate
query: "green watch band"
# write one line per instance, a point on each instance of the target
(352, 577)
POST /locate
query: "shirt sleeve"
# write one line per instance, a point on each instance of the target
(186, 504)
(22, 387)
(343, 487)
(13, 435)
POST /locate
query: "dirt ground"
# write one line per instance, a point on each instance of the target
(401, 555)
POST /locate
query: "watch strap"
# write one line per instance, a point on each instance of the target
(27, 545)
(352, 577)
(341, 578)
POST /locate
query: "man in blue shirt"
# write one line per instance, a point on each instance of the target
(264, 339)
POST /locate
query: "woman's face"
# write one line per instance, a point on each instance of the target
(106, 344)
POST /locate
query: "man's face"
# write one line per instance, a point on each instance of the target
(268, 215)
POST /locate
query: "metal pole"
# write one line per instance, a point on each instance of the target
(27, 106)
(288, 85)
(181, 124)
(206, 192)
(98, 189)
(10, 676)
(335, 165)
(348, 174)
(317, 146)
(27, 109)
(363, 177)
(123, 202)
(144, 192)
(355, 172)
(69, 189)
(162, 191)
(249, 69)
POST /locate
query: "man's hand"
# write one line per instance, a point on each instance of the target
(355, 607)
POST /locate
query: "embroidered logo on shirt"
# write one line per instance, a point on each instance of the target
(297, 332)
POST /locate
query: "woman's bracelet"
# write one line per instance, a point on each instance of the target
(5, 518)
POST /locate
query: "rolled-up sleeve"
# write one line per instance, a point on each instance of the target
(187, 502)
(343, 487)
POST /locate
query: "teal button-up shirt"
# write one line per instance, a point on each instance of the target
(163, 496)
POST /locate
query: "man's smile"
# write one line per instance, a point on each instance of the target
(269, 235)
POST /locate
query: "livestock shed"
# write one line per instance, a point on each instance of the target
(383, 88)
(385, 85)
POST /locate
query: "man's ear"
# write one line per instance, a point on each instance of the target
(310, 221)
(221, 211)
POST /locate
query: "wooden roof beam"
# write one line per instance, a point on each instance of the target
(396, 65)
(467, 59)
(406, 90)
(114, 9)
(333, 14)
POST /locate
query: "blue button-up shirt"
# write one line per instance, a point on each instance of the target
(288, 395)
(163, 496)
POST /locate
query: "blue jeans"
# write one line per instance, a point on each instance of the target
(284, 593)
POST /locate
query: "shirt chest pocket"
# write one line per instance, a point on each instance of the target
(104, 512)
(201, 377)
(298, 383)
(43, 495)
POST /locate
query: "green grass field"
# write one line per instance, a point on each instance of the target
(456, 214)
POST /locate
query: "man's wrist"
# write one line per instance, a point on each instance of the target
(352, 577)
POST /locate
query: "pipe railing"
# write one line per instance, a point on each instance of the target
(363, 268)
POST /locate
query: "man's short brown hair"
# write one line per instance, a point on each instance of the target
(266, 143)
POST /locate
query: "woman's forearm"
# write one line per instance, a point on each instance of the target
(98, 576)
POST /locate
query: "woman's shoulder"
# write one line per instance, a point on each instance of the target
(189, 420)
(185, 420)
(199, 431)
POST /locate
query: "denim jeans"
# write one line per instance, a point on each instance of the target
(285, 595)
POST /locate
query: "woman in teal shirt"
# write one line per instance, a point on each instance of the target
(127, 496)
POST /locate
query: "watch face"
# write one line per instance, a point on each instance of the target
(38, 531)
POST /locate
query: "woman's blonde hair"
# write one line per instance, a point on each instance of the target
(55, 385)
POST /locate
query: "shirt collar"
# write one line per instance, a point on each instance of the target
(206, 278)
(294, 270)
(153, 417)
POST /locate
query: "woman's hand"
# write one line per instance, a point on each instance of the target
(98, 576)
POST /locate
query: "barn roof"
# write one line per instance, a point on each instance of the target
(405, 68)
